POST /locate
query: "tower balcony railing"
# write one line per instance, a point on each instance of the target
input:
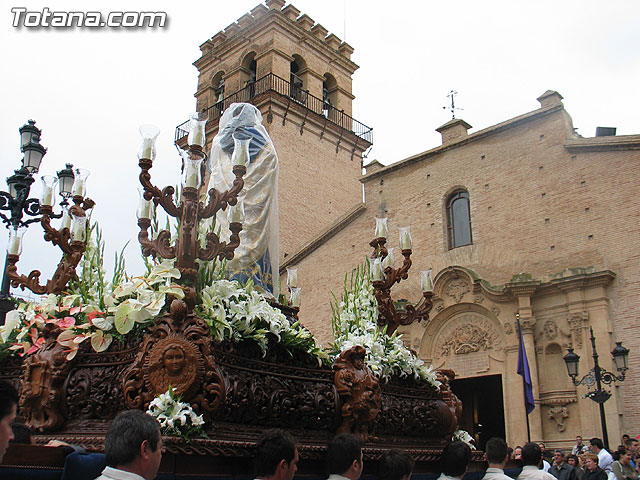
(291, 92)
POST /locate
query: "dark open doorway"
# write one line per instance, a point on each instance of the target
(483, 408)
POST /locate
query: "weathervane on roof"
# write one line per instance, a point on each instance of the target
(453, 107)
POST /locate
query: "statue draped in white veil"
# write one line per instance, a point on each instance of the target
(257, 257)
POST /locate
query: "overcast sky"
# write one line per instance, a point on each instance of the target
(90, 89)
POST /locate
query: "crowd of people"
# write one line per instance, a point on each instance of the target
(133, 449)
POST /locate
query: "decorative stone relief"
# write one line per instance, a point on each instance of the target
(577, 323)
(550, 329)
(439, 308)
(495, 310)
(416, 343)
(457, 289)
(559, 414)
(467, 334)
(478, 299)
(508, 329)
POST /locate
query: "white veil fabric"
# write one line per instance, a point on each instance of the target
(257, 257)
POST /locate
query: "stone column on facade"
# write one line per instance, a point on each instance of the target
(527, 323)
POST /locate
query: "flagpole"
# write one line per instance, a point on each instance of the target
(524, 385)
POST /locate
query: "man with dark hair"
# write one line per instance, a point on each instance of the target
(8, 407)
(579, 448)
(531, 459)
(395, 465)
(133, 447)
(454, 460)
(22, 434)
(276, 456)
(561, 469)
(497, 456)
(604, 458)
(344, 457)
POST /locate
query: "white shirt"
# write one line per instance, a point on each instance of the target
(114, 474)
(531, 472)
(495, 474)
(447, 477)
(605, 460)
(335, 476)
(545, 465)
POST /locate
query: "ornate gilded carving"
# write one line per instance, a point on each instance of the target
(559, 414)
(44, 375)
(468, 334)
(359, 391)
(550, 329)
(457, 288)
(176, 352)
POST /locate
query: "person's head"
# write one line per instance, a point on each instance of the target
(517, 453)
(623, 455)
(455, 458)
(395, 465)
(531, 454)
(22, 434)
(572, 460)
(8, 407)
(632, 445)
(591, 461)
(578, 440)
(542, 447)
(596, 444)
(558, 457)
(625, 438)
(276, 455)
(133, 443)
(497, 451)
(344, 456)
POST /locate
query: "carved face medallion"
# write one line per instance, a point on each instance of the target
(175, 362)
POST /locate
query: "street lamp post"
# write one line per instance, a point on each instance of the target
(598, 376)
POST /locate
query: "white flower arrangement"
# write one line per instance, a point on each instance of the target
(355, 322)
(175, 416)
(463, 436)
(235, 312)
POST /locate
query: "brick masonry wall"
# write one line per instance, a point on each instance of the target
(535, 208)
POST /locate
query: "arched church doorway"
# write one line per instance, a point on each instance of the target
(483, 411)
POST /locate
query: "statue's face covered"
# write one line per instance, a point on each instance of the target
(173, 360)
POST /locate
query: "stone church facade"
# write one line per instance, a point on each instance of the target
(523, 217)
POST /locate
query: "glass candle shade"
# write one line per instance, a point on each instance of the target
(426, 283)
(14, 247)
(80, 183)
(405, 238)
(66, 220)
(191, 167)
(78, 228)
(382, 227)
(376, 270)
(197, 123)
(49, 183)
(388, 260)
(292, 277)
(241, 141)
(149, 134)
(145, 207)
(295, 296)
(236, 212)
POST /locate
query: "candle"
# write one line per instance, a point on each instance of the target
(147, 148)
(382, 228)
(192, 174)
(197, 135)
(66, 220)
(405, 238)
(388, 260)
(78, 228)
(197, 122)
(236, 212)
(13, 247)
(47, 196)
(295, 296)
(240, 150)
(78, 187)
(376, 270)
(425, 281)
(144, 209)
(292, 277)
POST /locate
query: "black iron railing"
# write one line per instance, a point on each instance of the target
(272, 83)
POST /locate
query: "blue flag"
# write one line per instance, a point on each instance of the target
(523, 371)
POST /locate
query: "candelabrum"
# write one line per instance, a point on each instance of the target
(190, 210)
(18, 203)
(384, 276)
